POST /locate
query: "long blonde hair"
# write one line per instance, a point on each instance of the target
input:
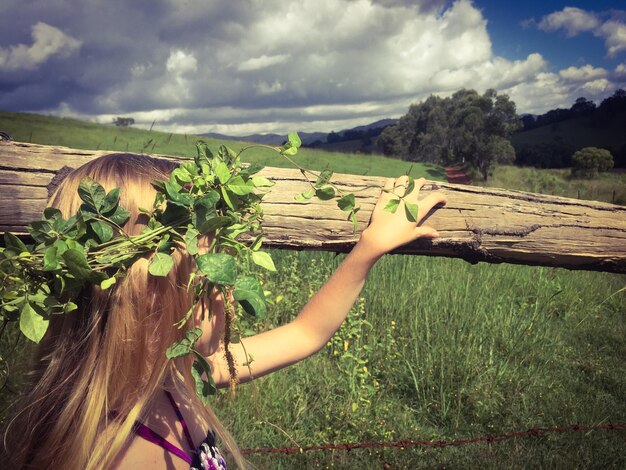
(99, 367)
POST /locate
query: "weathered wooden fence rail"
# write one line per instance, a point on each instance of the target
(478, 224)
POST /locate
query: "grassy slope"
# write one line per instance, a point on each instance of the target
(607, 187)
(84, 135)
(434, 349)
(577, 132)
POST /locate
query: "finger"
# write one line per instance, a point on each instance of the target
(426, 232)
(414, 194)
(386, 192)
(430, 201)
(400, 185)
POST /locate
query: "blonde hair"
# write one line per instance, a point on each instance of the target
(99, 367)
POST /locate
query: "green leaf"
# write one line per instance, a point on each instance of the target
(222, 172)
(185, 345)
(77, 264)
(325, 193)
(306, 195)
(14, 244)
(204, 210)
(161, 264)
(249, 293)
(409, 186)
(176, 196)
(106, 283)
(182, 174)
(52, 213)
(92, 193)
(261, 182)
(32, 325)
(240, 187)
(227, 198)
(411, 211)
(120, 216)
(346, 203)
(251, 169)
(294, 139)
(219, 268)
(111, 200)
(264, 260)
(204, 388)
(290, 151)
(323, 178)
(191, 241)
(215, 223)
(392, 206)
(103, 230)
(51, 260)
(203, 154)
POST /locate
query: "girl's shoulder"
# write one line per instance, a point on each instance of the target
(140, 453)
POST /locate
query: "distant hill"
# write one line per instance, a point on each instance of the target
(269, 139)
(549, 140)
(552, 145)
(346, 140)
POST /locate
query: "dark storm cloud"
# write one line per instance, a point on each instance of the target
(189, 63)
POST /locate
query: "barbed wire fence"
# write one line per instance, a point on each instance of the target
(490, 439)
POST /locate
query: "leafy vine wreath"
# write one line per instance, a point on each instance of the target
(215, 195)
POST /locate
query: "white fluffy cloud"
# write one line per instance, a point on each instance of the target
(575, 21)
(572, 20)
(614, 34)
(48, 41)
(584, 73)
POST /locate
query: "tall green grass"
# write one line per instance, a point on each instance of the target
(607, 187)
(452, 351)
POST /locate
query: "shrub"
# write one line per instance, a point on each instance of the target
(589, 161)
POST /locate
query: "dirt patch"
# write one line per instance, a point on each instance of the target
(456, 175)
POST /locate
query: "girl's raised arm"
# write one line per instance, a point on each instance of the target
(323, 314)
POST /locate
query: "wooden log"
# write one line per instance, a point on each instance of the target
(478, 224)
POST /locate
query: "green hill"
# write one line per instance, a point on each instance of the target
(49, 130)
(575, 133)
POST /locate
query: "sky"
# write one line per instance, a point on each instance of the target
(240, 67)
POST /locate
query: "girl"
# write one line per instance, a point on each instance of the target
(103, 393)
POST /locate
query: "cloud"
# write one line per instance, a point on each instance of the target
(572, 20)
(614, 34)
(48, 41)
(181, 63)
(584, 73)
(257, 63)
(575, 21)
(250, 66)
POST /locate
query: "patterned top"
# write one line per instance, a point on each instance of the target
(206, 456)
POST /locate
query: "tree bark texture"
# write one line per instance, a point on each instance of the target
(478, 224)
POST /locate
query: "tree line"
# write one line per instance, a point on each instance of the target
(465, 127)
(472, 128)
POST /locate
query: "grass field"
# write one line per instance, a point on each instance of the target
(434, 349)
(67, 132)
(607, 187)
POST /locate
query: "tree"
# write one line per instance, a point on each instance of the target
(123, 121)
(583, 107)
(590, 161)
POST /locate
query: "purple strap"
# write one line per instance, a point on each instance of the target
(148, 434)
(151, 436)
(181, 419)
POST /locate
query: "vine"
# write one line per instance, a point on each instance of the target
(213, 194)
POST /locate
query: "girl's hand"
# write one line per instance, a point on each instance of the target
(388, 231)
